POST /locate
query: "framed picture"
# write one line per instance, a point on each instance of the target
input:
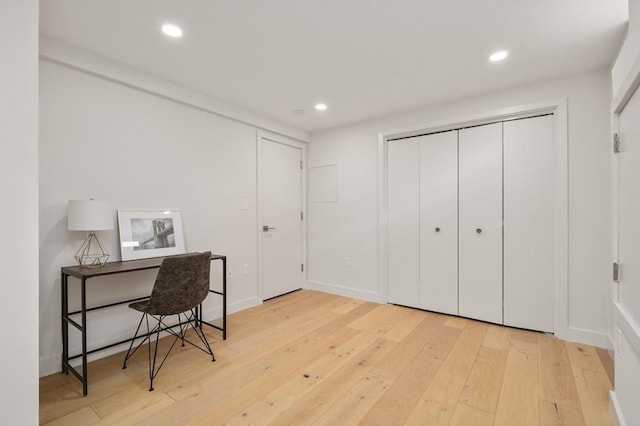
(150, 233)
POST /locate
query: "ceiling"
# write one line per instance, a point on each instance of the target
(363, 58)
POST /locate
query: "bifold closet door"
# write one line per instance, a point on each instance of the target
(403, 222)
(529, 223)
(439, 222)
(480, 223)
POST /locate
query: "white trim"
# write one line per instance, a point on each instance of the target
(57, 52)
(339, 290)
(302, 146)
(561, 198)
(628, 87)
(631, 330)
(615, 414)
(599, 339)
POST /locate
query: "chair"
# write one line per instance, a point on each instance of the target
(180, 287)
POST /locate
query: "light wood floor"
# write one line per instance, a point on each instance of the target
(314, 358)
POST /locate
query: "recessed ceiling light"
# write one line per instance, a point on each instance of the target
(172, 30)
(321, 107)
(498, 56)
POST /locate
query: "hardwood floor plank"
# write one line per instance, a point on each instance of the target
(497, 337)
(136, 410)
(441, 343)
(463, 353)
(83, 416)
(584, 356)
(465, 416)
(593, 391)
(556, 377)
(351, 408)
(438, 402)
(397, 360)
(552, 414)
(397, 403)
(482, 389)
(519, 400)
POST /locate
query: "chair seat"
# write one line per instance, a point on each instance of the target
(140, 306)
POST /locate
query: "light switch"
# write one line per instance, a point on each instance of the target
(245, 204)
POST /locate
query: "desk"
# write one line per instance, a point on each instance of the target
(111, 268)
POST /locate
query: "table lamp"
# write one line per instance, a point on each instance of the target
(90, 215)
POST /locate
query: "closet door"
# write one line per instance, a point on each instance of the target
(439, 222)
(403, 210)
(480, 224)
(529, 223)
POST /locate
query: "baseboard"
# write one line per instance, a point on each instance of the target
(588, 337)
(625, 323)
(615, 415)
(339, 290)
(51, 364)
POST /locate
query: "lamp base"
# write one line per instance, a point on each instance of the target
(91, 254)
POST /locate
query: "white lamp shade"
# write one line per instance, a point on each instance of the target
(90, 215)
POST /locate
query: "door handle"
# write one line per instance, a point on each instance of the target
(267, 228)
(479, 230)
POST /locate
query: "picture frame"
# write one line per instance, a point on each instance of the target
(150, 233)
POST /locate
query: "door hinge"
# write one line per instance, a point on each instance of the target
(300, 164)
(616, 143)
(301, 216)
(616, 272)
(302, 267)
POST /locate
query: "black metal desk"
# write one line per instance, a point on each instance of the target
(110, 268)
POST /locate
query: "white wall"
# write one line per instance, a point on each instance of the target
(348, 227)
(138, 150)
(19, 213)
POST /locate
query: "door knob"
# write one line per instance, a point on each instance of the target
(267, 228)
(478, 230)
(437, 229)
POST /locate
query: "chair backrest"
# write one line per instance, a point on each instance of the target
(182, 284)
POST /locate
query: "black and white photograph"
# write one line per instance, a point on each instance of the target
(146, 234)
(153, 233)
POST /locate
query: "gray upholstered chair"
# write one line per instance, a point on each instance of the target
(181, 286)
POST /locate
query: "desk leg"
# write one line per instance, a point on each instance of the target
(224, 298)
(85, 384)
(64, 302)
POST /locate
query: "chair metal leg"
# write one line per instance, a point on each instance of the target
(154, 367)
(129, 353)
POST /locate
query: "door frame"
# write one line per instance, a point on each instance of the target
(561, 191)
(283, 140)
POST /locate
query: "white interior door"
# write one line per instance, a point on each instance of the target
(403, 215)
(439, 222)
(480, 223)
(627, 353)
(529, 223)
(281, 227)
(629, 222)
